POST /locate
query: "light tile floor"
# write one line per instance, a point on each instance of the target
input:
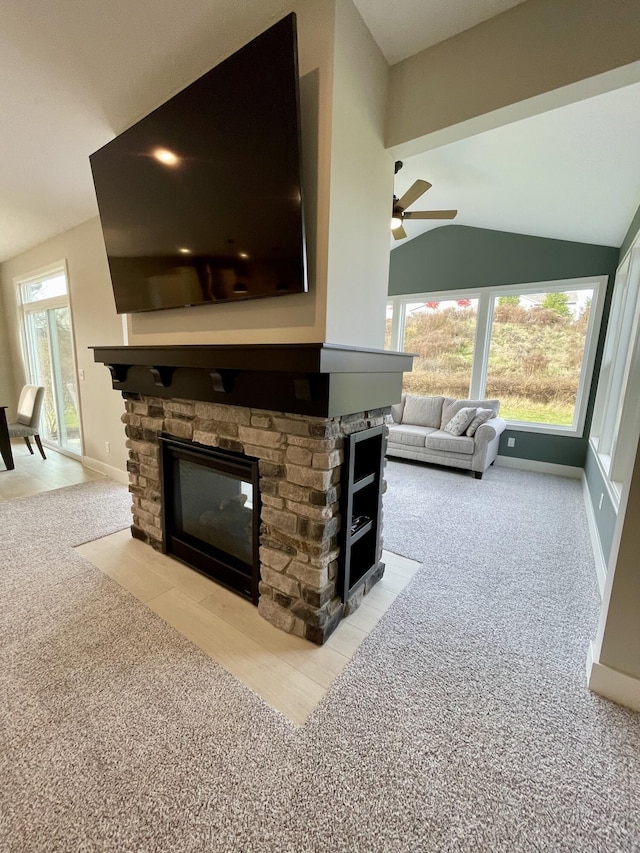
(289, 673)
(33, 474)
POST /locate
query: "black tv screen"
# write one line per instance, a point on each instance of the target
(201, 201)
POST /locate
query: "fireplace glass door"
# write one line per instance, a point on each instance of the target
(211, 513)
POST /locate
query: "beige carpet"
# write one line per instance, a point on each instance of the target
(463, 723)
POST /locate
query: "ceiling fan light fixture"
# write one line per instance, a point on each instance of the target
(400, 213)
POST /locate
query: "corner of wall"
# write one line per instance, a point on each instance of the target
(361, 187)
(613, 685)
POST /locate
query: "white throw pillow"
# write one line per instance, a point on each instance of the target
(460, 421)
(481, 416)
(451, 406)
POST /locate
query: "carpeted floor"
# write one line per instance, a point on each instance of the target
(462, 724)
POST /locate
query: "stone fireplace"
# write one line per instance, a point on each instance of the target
(325, 398)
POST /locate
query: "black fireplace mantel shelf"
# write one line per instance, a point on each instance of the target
(323, 380)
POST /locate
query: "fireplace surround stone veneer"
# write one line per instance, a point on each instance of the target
(291, 406)
(300, 459)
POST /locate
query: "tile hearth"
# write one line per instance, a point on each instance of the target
(289, 673)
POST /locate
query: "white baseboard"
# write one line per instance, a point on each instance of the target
(541, 467)
(596, 546)
(612, 684)
(108, 470)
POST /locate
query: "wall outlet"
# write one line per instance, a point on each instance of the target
(511, 442)
(80, 373)
(601, 499)
(107, 446)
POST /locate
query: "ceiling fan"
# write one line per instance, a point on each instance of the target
(400, 213)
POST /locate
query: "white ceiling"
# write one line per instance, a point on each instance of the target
(75, 74)
(572, 173)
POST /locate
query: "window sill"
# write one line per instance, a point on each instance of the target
(613, 487)
(545, 429)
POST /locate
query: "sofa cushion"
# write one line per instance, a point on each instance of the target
(408, 434)
(460, 421)
(446, 443)
(396, 411)
(422, 411)
(480, 417)
(450, 407)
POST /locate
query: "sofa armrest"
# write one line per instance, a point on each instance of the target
(490, 429)
(487, 439)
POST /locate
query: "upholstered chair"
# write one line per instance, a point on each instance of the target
(28, 421)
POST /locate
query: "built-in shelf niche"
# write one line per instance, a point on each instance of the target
(362, 508)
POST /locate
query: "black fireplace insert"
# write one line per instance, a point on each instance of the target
(211, 512)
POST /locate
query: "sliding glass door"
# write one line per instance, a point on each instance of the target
(48, 338)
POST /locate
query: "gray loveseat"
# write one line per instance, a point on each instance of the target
(418, 430)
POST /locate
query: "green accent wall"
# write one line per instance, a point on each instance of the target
(458, 257)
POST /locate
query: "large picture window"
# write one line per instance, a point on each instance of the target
(531, 346)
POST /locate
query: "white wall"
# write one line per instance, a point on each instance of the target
(361, 187)
(95, 323)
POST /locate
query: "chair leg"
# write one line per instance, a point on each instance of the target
(477, 475)
(41, 449)
(28, 443)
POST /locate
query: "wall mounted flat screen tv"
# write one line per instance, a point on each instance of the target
(201, 200)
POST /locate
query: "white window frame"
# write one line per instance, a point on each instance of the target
(59, 267)
(616, 421)
(25, 308)
(486, 297)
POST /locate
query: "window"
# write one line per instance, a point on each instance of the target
(531, 346)
(388, 328)
(49, 354)
(616, 421)
(442, 334)
(536, 353)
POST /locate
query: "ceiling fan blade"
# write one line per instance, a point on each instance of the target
(399, 233)
(431, 214)
(413, 194)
